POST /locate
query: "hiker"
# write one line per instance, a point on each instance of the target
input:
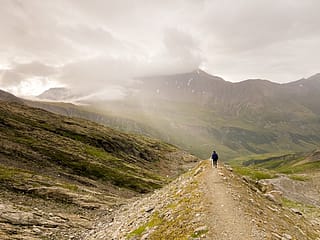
(214, 158)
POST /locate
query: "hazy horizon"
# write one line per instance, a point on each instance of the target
(90, 45)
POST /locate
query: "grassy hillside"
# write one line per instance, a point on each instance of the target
(291, 178)
(297, 166)
(288, 163)
(70, 168)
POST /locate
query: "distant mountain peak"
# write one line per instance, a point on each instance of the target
(199, 71)
(258, 81)
(58, 89)
(310, 84)
(58, 93)
(315, 77)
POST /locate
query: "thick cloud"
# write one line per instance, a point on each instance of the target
(179, 53)
(95, 73)
(34, 69)
(262, 39)
(184, 49)
(20, 72)
(31, 31)
(94, 44)
(29, 78)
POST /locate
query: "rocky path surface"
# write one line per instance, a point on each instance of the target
(226, 219)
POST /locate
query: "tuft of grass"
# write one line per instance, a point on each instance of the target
(198, 233)
(298, 177)
(99, 153)
(253, 173)
(255, 158)
(154, 221)
(304, 208)
(11, 174)
(70, 187)
(137, 232)
(303, 168)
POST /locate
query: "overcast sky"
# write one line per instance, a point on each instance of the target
(95, 44)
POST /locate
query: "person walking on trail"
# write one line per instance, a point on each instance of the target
(214, 158)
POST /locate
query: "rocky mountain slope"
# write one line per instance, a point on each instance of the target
(57, 173)
(296, 176)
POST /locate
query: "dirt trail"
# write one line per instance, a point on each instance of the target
(226, 219)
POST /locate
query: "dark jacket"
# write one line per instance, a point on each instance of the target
(214, 156)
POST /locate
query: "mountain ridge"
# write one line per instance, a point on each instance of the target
(197, 79)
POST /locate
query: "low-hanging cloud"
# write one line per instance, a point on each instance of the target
(183, 49)
(95, 73)
(179, 53)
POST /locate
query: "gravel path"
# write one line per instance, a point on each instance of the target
(226, 219)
